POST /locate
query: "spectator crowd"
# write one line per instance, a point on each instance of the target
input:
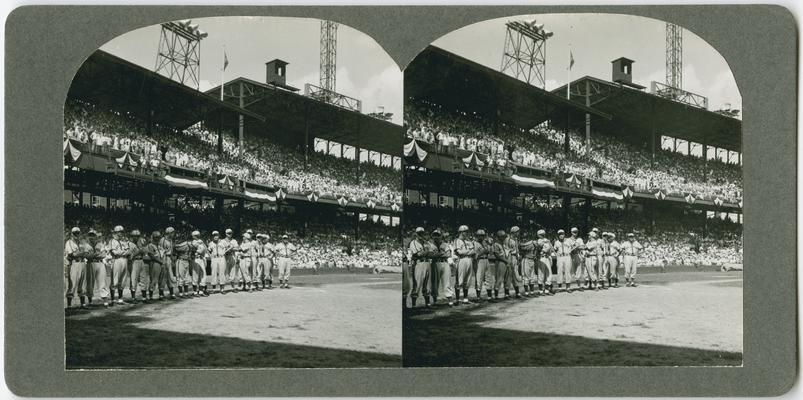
(258, 159)
(609, 158)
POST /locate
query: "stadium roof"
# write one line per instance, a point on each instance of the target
(636, 112)
(109, 81)
(460, 84)
(288, 113)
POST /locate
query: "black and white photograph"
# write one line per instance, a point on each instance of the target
(233, 198)
(572, 196)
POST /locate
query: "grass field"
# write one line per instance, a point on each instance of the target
(340, 320)
(676, 318)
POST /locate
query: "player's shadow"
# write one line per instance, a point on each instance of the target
(114, 340)
(460, 340)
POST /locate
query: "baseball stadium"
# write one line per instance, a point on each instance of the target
(244, 225)
(589, 221)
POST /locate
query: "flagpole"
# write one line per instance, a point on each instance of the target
(569, 73)
(222, 71)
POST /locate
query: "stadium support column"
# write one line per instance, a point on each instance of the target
(566, 132)
(239, 222)
(567, 202)
(220, 133)
(588, 121)
(240, 121)
(306, 134)
(586, 213)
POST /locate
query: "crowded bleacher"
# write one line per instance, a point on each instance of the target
(610, 159)
(259, 159)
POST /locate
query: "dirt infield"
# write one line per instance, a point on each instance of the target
(682, 318)
(323, 321)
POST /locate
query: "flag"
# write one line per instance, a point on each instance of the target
(690, 198)
(718, 201)
(660, 195)
(225, 60)
(628, 192)
(571, 59)
(342, 201)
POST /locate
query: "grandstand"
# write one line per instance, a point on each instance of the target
(487, 149)
(143, 148)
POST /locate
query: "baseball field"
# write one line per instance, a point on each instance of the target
(329, 320)
(675, 318)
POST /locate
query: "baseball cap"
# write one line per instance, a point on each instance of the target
(247, 235)
(135, 232)
(574, 230)
(541, 232)
(480, 232)
(169, 229)
(215, 233)
(93, 232)
(462, 228)
(612, 235)
(592, 234)
(419, 230)
(196, 233)
(631, 234)
(229, 231)
(75, 229)
(561, 231)
(118, 228)
(285, 237)
(436, 232)
(514, 229)
(501, 233)
(156, 234)
(595, 230)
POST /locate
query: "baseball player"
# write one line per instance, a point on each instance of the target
(578, 257)
(138, 278)
(420, 251)
(544, 264)
(153, 256)
(232, 266)
(183, 251)
(96, 269)
(198, 265)
(612, 251)
(441, 271)
(217, 249)
(257, 271)
(284, 251)
(631, 249)
(406, 279)
(246, 256)
(563, 251)
(512, 272)
(167, 278)
(501, 259)
(484, 274)
(602, 267)
(76, 251)
(591, 261)
(120, 252)
(464, 250)
(266, 261)
(531, 248)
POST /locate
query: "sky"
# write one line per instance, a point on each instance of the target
(597, 39)
(364, 70)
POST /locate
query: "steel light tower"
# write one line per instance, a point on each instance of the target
(179, 54)
(328, 74)
(524, 55)
(674, 56)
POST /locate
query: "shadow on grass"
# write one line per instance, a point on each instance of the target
(112, 340)
(458, 340)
